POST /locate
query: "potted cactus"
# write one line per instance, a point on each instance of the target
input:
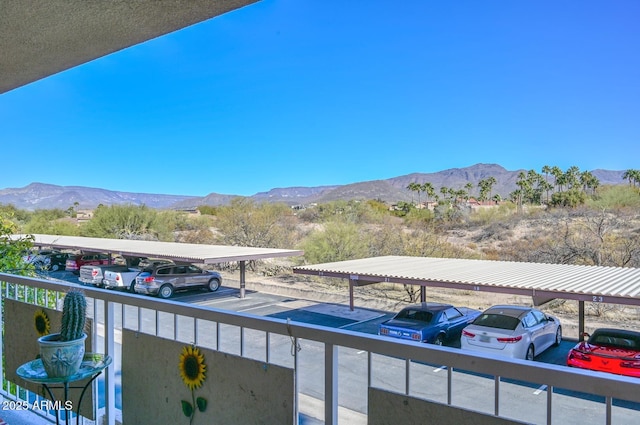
(62, 353)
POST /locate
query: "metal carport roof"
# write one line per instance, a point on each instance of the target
(188, 252)
(193, 253)
(543, 282)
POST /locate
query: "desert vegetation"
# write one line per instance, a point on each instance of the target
(601, 228)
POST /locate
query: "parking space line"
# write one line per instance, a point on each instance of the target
(360, 322)
(439, 369)
(256, 307)
(539, 390)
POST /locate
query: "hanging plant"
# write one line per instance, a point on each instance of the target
(193, 372)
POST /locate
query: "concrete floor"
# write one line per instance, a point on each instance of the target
(21, 417)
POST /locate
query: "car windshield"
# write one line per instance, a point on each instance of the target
(615, 340)
(421, 315)
(499, 321)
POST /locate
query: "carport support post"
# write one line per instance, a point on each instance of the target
(243, 269)
(580, 319)
(351, 282)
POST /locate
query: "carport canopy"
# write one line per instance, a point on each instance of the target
(180, 252)
(543, 282)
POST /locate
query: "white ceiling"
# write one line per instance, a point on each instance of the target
(39, 38)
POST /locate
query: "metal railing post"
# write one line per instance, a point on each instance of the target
(330, 384)
(549, 405)
(109, 378)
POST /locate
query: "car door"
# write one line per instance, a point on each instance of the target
(535, 330)
(455, 321)
(195, 276)
(178, 275)
(549, 329)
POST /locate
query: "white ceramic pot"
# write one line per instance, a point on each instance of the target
(61, 359)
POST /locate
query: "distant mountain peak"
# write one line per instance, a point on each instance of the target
(48, 196)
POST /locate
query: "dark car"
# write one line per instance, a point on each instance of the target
(164, 280)
(434, 323)
(49, 260)
(608, 350)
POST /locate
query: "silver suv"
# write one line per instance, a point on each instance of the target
(163, 280)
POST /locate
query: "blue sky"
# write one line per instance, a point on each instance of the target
(309, 93)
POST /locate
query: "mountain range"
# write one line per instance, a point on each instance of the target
(47, 196)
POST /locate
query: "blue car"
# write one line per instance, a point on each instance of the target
(433, 323)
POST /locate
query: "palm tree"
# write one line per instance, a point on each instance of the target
(516, 198)
(453, 194)
(546, 170)
(444, 190)
(491, 181)
(468, 188)
(547, 186)
(525, 188)
(572, 176)
(589, 181)
(413, 187)
(485, 186)
(428, 189)
(633, 176)
(558, 176)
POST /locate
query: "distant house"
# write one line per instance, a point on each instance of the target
(189, 210)
(475, 204)
(82, 216)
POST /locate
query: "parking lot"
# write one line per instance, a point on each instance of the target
(331, 315)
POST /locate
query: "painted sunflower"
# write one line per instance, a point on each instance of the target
(192, 367)
(42, 323)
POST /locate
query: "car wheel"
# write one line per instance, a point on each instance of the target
(530, 353)
(132, 287)
(214, 284)
(39, 265)
(55, 268)
(166, 291)
(558, 336)
(439, 340)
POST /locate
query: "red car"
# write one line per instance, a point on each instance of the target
(74, 262)
(608, 350)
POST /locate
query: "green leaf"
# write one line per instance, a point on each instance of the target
(187, 408)
(202, 404)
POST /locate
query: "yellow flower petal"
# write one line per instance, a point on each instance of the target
(192, 367)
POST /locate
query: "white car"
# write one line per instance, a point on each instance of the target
(513, 331)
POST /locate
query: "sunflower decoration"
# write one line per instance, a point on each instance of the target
(42, 323)
(193, 373)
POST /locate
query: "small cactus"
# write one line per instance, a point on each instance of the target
(73, 315)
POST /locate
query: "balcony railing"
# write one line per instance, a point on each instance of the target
(349, 362)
